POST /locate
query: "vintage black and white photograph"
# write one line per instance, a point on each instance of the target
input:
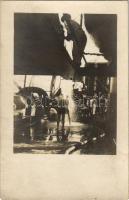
(65, 83)
(64, 102)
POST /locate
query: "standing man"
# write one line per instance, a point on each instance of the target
(102, 105)
(67, 109)
(77, 35)
(28, 108)
(62, 110)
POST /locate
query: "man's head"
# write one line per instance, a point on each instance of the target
(65, 17)
(28, 101)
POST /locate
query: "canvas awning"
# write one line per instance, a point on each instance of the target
(39, 45)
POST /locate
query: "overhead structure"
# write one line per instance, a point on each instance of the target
(103, 28)
(39, 45)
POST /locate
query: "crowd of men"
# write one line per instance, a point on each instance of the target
(90, 106)
(55, 109)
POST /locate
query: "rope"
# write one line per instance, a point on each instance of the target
(31, 81)
(60, 82)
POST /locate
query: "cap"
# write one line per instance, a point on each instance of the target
(65, 17)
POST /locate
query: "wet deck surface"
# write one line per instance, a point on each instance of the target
(77, 138)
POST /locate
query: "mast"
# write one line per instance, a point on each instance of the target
(52, 86)
(81, 20)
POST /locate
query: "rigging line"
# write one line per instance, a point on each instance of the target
(58, 85)
(60, 82)
(93, 54)
(56, 89)
(30, 81)
(17, 85)
(25, 81)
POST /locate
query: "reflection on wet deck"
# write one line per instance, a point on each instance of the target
(77, 138)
